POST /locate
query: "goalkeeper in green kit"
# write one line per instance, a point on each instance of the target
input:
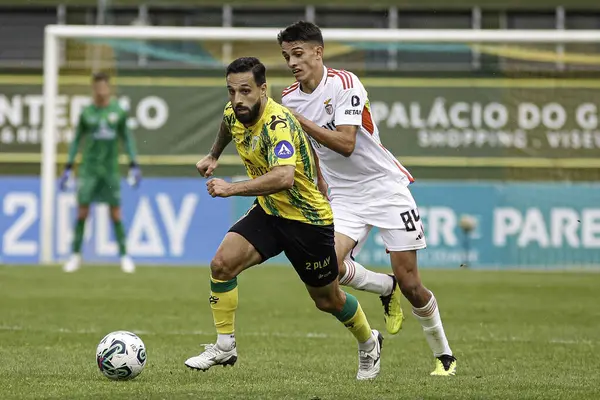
(101, 126)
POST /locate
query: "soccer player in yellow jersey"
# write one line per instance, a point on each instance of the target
(290, 215)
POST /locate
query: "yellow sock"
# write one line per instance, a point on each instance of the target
(353, 318)
(223, 302)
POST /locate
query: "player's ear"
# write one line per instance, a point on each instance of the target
(319, 52)
(263, 90)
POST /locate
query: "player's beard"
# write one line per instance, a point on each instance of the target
(251, 116)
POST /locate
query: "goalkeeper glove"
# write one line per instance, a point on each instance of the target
(65, 177)
(135, 175)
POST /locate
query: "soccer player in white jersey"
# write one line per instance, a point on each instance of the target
(368, 187)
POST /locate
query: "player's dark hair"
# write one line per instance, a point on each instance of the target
(247, 64)
(100, 77)
(301, 31)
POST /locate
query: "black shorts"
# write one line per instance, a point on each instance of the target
(310, 248)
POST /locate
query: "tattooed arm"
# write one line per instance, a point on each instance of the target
(222, 140)
(208, 164)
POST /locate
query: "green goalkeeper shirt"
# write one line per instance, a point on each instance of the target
(100, 129)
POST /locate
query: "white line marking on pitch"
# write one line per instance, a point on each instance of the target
(311, 335)
(308, 335)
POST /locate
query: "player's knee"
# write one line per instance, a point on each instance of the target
(411, 287)
(221, 268)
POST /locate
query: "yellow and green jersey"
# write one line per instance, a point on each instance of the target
(100, 129)
(278, 139)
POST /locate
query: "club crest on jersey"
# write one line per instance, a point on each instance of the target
(104, 132)
(112, 117)
(328, 106)
(284, 149)
(254, 142)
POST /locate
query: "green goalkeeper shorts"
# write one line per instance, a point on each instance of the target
(99, 189)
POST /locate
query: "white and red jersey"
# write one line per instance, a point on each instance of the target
(371, 172)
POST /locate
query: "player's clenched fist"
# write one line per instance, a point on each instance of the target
(218, 188)
(207, 165)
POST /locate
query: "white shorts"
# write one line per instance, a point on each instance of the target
(396, 217)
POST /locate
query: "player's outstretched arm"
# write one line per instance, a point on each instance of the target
(342, 140)
(278, 179)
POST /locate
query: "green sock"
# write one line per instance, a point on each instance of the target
(79, 228)
(120, 234)
(353, 317)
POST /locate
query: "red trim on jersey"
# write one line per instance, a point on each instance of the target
(292, 86)
(405, 172)
(344, 76)
(367, 121)
(335, 73)
(289, 89)
(349, 78)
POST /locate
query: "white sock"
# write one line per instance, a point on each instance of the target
(368, 345)
(358, 277)
(429, 317)
(225, 341)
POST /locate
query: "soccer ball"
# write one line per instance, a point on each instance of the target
(121, 355)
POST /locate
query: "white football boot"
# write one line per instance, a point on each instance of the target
(127, 265)
(369, 363)
(73, 264)
(212, 355)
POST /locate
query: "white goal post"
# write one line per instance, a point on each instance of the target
(53, 33)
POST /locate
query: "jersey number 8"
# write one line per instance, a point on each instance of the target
(409, 218)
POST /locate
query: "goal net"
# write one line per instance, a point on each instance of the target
(477, 104)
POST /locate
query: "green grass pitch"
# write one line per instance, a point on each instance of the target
(518, 335)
